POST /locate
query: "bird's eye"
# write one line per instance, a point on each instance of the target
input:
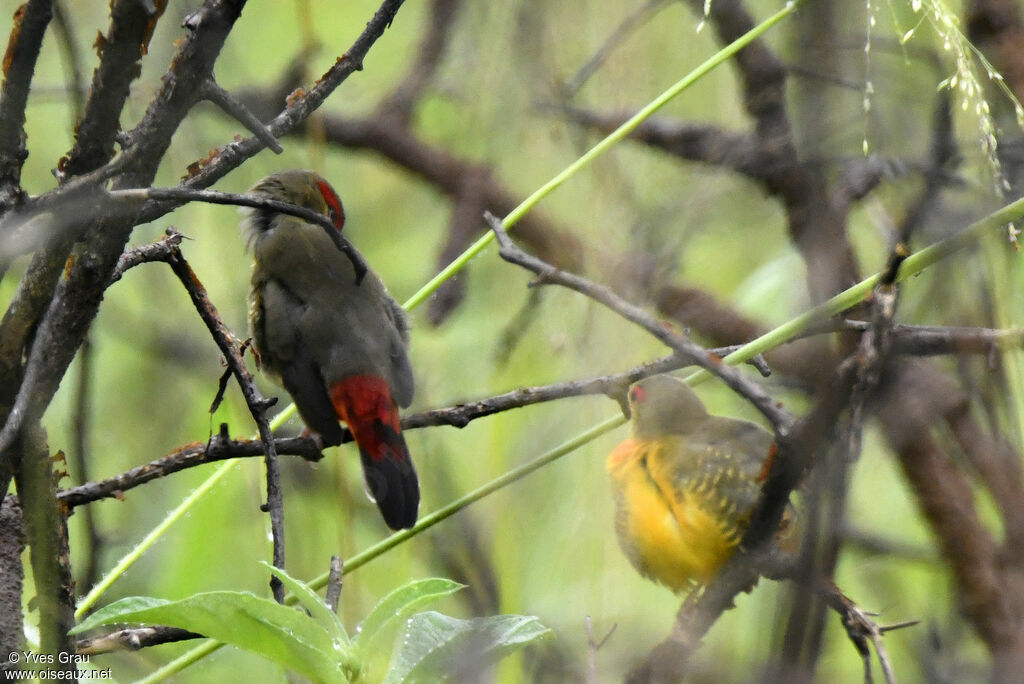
(637, 394)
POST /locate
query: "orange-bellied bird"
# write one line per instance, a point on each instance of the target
(337, 346)
(685, 483)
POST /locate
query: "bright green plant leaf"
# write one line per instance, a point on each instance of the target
(436, 646)
(399, 605)
(312, 602)
(279, 633)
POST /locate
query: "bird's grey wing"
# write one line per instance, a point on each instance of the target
(403, 385)
(290, 358)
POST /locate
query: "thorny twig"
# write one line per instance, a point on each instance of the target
(862, 630)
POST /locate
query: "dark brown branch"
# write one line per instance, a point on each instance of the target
(257, 404)
(460, 415)
(996, 26)
(120, 52)
(133, 639)
(177, 195)
(77, 297)
(946, 497)
(780, 419)
(19, 63)
(826, 512)
(468, 204)
(703, 143)
(219, 448)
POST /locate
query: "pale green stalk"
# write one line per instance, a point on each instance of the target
(913, 265)
(428, 521)
(174, 516)
(852, 296)
(526, 205)
(424, 523)
(510, 220)
(600, 148)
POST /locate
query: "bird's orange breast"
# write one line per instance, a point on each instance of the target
(664, 528)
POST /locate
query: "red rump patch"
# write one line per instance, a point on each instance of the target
(638, 394)
(364, 402)
(334, 208)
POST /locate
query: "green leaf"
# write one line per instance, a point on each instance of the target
(399, 605)
(279, 633)
(312, 602)
(437, 646)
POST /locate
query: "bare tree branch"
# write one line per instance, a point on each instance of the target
(219, 448)
(223, 99)
(77, 297)
(30, 22)
(781, 420)
(257, 404)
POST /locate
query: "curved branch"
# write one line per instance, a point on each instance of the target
(214, 197)
(30, 22)
(781, 420)
(460, 415)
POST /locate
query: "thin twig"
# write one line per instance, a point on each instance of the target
(781, 420)
(862, 630)
(160, 250)
(212, 92)
(593, 646)
(257, 404)
(81, 419)
(214, 197)
(219, 448)
(72, 60)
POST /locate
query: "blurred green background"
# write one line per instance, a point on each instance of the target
(548, 540)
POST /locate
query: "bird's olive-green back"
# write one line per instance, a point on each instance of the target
(304, 292)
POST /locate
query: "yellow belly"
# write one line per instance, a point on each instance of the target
(665, 532)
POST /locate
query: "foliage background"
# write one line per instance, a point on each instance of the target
(547, 542)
